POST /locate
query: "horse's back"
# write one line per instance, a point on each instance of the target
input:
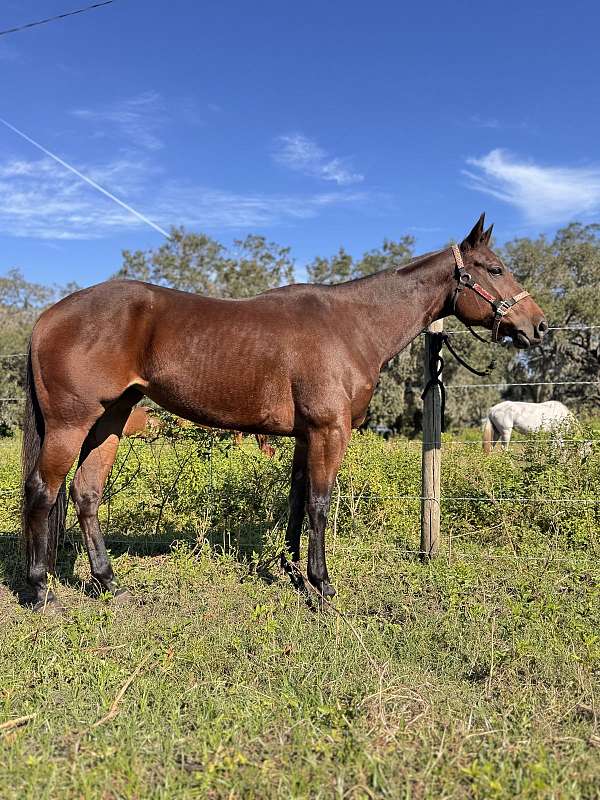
(529, 417)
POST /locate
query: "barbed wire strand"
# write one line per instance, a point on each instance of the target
(448, 498)
(469, 386)
(575, 328)
(530, 383)
(148, 542)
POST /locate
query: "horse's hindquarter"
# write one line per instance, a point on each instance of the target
(86, 350)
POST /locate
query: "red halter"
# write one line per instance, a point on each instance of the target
(501, 306)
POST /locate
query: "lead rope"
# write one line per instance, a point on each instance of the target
(436, 367)
(481, 373)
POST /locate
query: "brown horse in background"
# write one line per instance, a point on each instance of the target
(300, 361)
(261, 440)
(142, 422)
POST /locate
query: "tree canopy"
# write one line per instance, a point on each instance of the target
(193, 262)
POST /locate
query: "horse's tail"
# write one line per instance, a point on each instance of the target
(488, 435)
(33, 438)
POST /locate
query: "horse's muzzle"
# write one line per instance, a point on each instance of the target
(523, 341)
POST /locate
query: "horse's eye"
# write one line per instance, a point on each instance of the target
(495, 270)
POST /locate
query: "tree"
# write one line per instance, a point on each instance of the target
(20, 304)
(193, 262)
(342, 267)
(564, 274)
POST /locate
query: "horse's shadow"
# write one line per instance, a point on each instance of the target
(247, 547)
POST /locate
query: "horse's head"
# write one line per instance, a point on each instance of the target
(489, 296)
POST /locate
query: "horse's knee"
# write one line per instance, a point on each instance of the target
(318, 509)
(38, 498)
(85, 499)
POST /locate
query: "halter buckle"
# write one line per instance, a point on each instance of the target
(464, 278)
(503, 307)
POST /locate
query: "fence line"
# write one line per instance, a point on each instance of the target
(447, 498)
(425, 496)
(147, 542)
(575, 328)
(531, 383)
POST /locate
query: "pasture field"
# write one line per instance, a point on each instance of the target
(474, 676)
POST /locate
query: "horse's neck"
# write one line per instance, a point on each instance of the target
(394, 306)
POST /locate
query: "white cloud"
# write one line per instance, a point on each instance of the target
(139, 119)
(546, 195)
(302, 154)
(485, 122)
(40, 199)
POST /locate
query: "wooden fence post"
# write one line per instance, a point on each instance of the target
(431, 461)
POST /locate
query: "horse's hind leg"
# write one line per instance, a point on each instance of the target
(297, 501)
(97, 457)
(58, 452)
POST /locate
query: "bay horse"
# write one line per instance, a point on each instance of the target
(523, 417)
(141, 422)
(300, 361)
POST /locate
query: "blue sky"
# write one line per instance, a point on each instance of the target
(316, 124)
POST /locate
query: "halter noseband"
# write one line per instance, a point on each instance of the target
(501, 306)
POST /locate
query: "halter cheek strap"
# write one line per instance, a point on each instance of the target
(501, 306)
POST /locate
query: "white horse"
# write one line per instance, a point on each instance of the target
(524, 418)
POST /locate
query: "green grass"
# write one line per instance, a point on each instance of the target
(475, 676)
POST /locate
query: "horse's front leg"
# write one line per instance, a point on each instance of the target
(326, 449)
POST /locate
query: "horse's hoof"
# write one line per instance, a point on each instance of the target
(49, 606)
(327, 589)
(324, 589)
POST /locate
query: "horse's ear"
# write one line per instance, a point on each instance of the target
(487, 236)
(474, 238)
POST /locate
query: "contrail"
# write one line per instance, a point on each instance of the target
(86, 179)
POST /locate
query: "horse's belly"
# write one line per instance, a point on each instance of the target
(241, 405)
